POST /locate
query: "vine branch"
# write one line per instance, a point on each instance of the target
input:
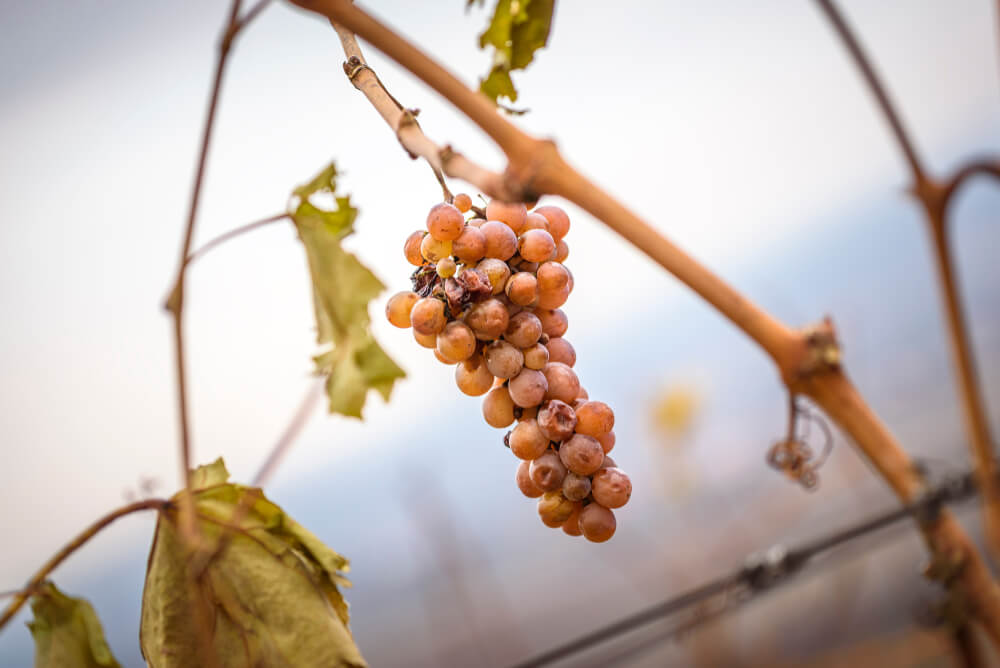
(806, 364)
(22, 596)
(235, 232)
(935, 198)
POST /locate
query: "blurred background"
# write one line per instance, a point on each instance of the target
(740, 130)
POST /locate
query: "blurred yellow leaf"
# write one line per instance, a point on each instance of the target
(675, 409)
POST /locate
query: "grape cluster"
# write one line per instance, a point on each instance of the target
(486, 297)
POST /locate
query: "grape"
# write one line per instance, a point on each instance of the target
(513, 214)
(554, 508)
(426, 340)
(597, 523)
(583, 394)
(445, 222)
(535, 221)
(581, 454)
(524, 483)
(563, 383)
(527, 388)
(554, 322)
(594, 418)
(462, 202)
(433, 250)
(551, 299)
(456, 342)
(572, 281)
(611, 487)
(571, 527)
(562, 251)
(608, 463)
(576, 487)
(472, 376)
(536, 357)
(556, 420)
(503, 360)
(470, 246)
(476, 222)
(497, 271)
(398, 308)
(501, 242)
(411, 249)
(557, 219)
(547, 472)
(444, 360)
(536, 245)
(561, 350)
(488, 319)
(607, 441)
(427, 316)
(526, 440)
(522, 288)
(552, 276)
(498, 409)
(530, 267)
(523, 329)
(529, 413)
(446, 267)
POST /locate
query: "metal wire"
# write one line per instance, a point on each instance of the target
(761, 572)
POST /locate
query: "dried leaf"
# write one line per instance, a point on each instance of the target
(518, 29)
(342, 288)
(271, 591)
(67, 632)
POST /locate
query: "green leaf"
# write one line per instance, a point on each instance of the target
(271, 590)
(518, 29)
(342, 288)
(67, 632)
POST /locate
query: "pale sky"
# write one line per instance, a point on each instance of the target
(728, 125)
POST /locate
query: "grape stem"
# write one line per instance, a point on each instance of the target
(935, 197)
(404, 123)
(807, 359)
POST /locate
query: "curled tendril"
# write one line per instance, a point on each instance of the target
(793, 455)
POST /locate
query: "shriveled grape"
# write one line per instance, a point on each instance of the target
(612, 488)
(582, 454)
(547, 471)
(557, 420)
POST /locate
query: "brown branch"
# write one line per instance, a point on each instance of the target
(231, 234)
(292, 431)
(935, 198)
(21, 596)
(535, 166)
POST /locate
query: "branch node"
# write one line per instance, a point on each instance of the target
(355, 66)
